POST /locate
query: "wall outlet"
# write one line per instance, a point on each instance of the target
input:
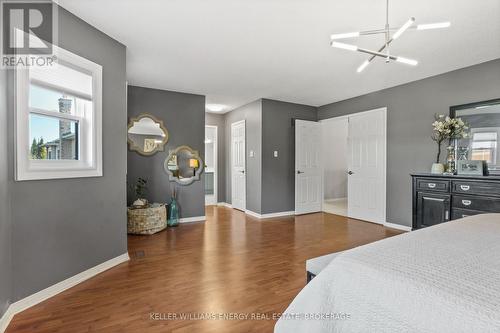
(275, 153)
(252, 154)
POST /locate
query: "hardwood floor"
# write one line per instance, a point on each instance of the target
(232, 263)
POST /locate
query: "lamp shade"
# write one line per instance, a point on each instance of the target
(193, 163)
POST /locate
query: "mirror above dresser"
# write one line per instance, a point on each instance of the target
(481, 144)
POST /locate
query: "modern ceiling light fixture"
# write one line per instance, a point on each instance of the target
(384, 51)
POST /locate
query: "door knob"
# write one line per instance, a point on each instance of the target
(299, 172)
(242, 171)
(350, 172)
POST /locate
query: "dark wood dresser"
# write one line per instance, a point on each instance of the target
(438, 198)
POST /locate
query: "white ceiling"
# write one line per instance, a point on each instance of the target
(236, 51)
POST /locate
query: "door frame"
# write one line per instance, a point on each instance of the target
(216, 165)
(384, 198)
(243, 121)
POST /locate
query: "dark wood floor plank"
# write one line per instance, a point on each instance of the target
(233, 263)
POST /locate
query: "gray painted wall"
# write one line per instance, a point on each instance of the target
(252, 113)
(184, 117)
(410, 111)
(88, 225)
(5, 218)
(219, 121)
(278, 173)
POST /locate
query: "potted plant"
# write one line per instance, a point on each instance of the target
(139, 189)
(446, 128)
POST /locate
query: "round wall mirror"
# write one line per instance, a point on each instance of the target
(147, 135)
(184, 165)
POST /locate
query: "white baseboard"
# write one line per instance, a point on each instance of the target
(270, 215)
(52, 291)
(397, 226)
(192, 219)
(224, 204)
(335, 200)
(6, 318)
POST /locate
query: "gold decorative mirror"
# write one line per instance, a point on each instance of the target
(184, 165)
(147, 135)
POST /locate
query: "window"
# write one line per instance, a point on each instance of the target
(58, 119)
(484, 145)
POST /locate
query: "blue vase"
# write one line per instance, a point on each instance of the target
(173, 214)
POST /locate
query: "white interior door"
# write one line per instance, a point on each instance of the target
(308, 167)
(367, 166)
(238, 187)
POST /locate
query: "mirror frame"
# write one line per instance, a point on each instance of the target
(198, 171)
(454, 108)
(161, 146)
(453, 112)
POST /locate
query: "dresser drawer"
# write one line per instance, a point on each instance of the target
(476, 203)
(424, 184)
(472, 187)
(458, 213)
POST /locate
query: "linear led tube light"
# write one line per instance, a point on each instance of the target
(363, 66)
(345, 35)
(407, 61)
(433, 26)
(344, 46)
(405, 26)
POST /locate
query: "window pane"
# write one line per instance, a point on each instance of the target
(485, 136)
(51, 100)
(53, 138)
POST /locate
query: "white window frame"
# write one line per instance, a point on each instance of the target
(90, 130)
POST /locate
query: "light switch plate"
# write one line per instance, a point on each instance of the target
(252, 153)
(275, 153)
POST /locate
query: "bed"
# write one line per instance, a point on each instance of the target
(444, 278)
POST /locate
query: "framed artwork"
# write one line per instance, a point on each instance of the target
(149, 145)
(468, 167)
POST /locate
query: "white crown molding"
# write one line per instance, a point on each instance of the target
(192, 219)
(224, 204)
(270, 215)
(397, 226)
(52, 291)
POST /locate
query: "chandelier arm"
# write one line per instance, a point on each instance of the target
(376, 53)
(427, 26)
(379, 50)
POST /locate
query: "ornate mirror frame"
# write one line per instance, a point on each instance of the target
(139, 150)
(184, 181)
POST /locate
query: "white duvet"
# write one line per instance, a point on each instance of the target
(440, 279)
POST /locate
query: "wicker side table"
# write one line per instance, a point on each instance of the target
(148, 220)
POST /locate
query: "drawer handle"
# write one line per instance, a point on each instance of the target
(466, 202)
(465, 187)
(431, 185)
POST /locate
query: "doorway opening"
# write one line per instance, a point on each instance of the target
(334, 142)
(210, 173)
(354, 155)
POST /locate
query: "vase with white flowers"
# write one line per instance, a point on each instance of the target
(446, 128)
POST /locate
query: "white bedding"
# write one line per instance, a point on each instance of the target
(444, 278)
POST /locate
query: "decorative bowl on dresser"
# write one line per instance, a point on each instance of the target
(439, 198)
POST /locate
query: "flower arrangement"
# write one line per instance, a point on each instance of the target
(447, 128)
